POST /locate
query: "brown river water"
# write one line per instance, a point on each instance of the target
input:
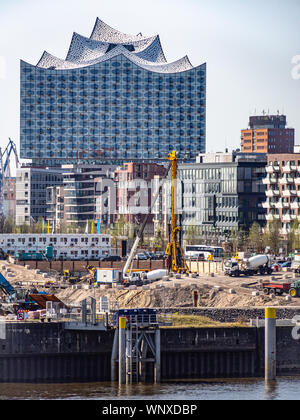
(252, 389)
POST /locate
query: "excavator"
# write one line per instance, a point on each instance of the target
(23, 299)
(176, 262)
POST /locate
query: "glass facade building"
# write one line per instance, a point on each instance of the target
(221, 195)
(115, 98)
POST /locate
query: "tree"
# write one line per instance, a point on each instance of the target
(9, 225)
(271, 237)
(191, 236)
(158, 240)
(255, 238)
(293, 238)
(239, 238)
(2, 221)
(38, 226)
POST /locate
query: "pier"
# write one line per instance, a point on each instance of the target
(36, 352)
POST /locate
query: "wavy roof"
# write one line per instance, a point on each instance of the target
(105, 43)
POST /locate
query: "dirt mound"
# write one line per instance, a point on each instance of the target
(169, 297)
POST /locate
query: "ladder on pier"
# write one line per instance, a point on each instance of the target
(136, 344)
(132, 354)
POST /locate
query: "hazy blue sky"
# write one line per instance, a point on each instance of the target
(248, 46)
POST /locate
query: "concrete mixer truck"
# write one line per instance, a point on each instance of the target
(260, 264)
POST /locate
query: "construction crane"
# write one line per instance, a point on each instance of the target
(6, 181)
(134, 248)
(175, 257)
(5, 164)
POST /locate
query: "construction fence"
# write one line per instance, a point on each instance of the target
(206, 267)
(81, 266)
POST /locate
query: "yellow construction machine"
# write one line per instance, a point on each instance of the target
(175, 257)
(93, 272)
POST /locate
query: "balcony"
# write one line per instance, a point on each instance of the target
(270, 180)
(268, 205)
(272, 169)
(287, 169)
(295, 205)
(289, 193)
(287, 218)
(284, 231)
(297, 181)
(272, 193)
(286, 180)
(279, 205)
(271, 217)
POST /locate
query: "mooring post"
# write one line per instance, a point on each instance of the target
(114, 357)
(93, 311)
(83, 311)
(270, 344)
(122, 350)
(157, 357)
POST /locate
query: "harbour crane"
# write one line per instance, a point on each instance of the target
(7, 183)
(5, 164)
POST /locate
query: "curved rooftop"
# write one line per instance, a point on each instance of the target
(105, 43)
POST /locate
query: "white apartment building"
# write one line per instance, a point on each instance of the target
(66, 246)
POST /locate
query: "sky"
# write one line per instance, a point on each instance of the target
(251, 47)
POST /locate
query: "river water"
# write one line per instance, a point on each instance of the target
(252, 389)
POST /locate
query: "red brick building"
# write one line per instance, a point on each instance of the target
(268, 134)
(134, 190)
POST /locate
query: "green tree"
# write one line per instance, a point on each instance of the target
(24, 228)
(255, 238)
(293, 238)
(239, 239)
(9, 225)
(158, 240)
(192, 237)
(38, 226)
(271, 237)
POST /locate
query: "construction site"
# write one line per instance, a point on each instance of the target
(173, 283)
(193, 291)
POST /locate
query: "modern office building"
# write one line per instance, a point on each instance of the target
(268, 134)
(31, 187)
(114, 99)
(219, 194)
(283, 190)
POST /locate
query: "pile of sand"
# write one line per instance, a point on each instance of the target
(167, 297)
